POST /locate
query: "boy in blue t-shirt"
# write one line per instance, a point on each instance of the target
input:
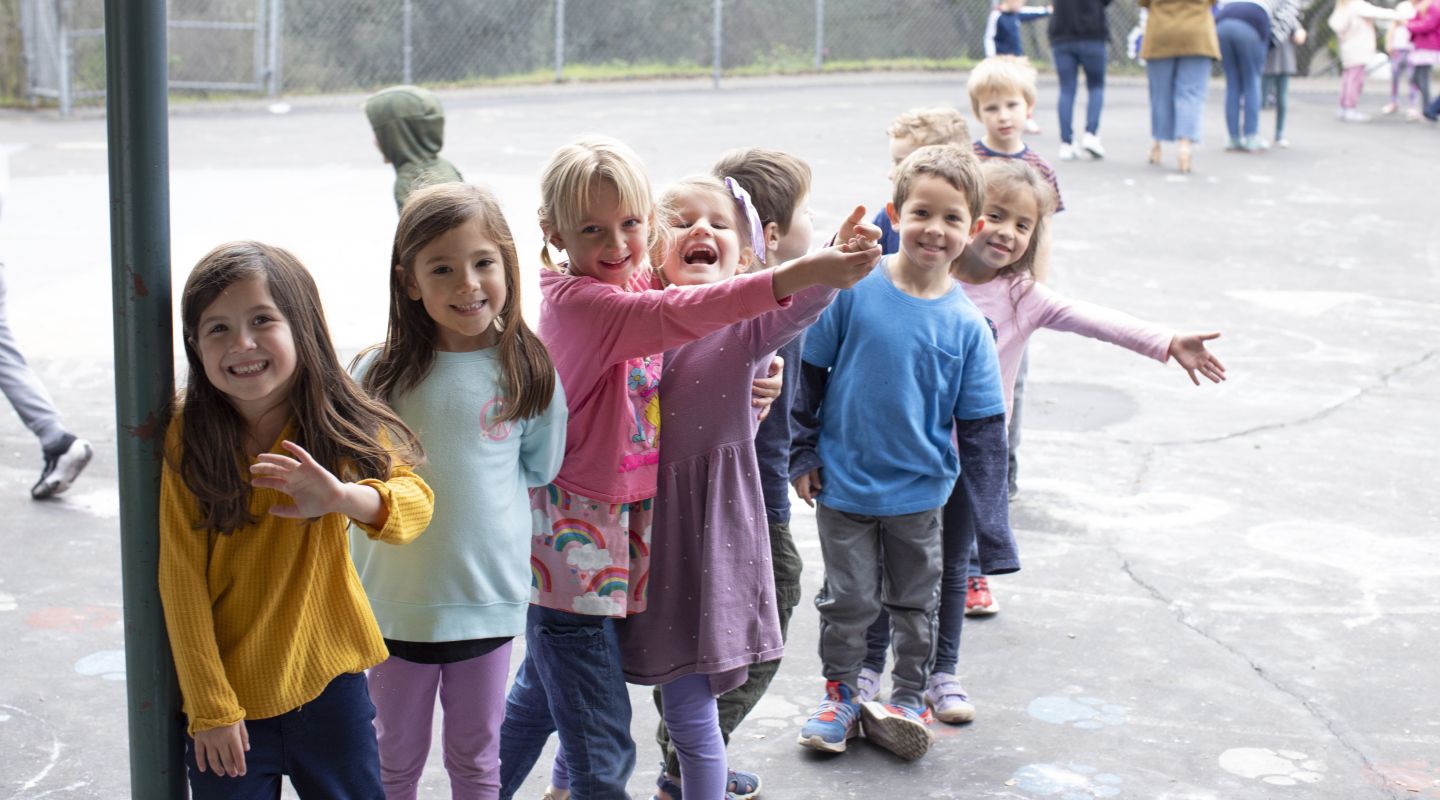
(893, 369)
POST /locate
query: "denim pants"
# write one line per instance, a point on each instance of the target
(958, 535)
(571, 683)
(1242, 56)
(326, 746)
(1177, 96)
(22, 387)
(1070, 57)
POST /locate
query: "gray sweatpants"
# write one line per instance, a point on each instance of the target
(23, 388)
(870, 562)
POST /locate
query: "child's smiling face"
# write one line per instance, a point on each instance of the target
(934, 224)
(705, 246)
(1010, 216)
(608, 242)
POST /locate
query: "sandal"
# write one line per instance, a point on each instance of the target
(741, 786)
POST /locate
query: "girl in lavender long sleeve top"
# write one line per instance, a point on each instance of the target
(995, 270)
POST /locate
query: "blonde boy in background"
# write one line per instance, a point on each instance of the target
(912, 130)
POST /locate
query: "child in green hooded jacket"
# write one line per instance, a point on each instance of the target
(409, 126)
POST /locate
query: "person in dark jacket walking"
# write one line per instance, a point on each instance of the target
(1077, 41)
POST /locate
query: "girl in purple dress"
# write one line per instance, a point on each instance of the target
(711, 610)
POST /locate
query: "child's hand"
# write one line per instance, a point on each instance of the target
(1299, 37)
(223, 749)
(808, 486)
(764, 391)
(1189, 350)
(313, 489)
(850, 227)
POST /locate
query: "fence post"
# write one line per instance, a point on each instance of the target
(62, 73)
(718, 37)
(819, 35)
(407, 15)
(27, 45)
(260, 46)
(559, 41)
(139, 156)
(277, 30)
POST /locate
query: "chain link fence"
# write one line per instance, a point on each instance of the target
(319, 46)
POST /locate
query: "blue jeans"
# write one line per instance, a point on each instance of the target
(1069, 58)
(326, 746)
(570, 682)
(1177, 96)
(1242, 56)
(957, 525)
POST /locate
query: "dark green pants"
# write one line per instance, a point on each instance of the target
(736, 704)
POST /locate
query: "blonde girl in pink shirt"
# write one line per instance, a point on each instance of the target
(591, 544)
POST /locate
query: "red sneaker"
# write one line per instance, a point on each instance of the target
(978, 600)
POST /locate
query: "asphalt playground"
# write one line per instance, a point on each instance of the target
(1229, 592)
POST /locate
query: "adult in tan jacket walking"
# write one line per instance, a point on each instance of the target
(1179, 46)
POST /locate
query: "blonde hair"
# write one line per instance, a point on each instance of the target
(925, 126)
(956, 165)
(710, 188)
(1013, 174)
(568, 184)
(1001, 75)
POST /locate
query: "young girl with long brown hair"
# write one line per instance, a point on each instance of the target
(461, 367)
(271, 453)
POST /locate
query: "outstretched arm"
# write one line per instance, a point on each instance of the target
(1189, 351)
(855, 253)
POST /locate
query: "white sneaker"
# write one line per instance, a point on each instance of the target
(1352, 115)
(1067, 152)
(1031, 126)
(63, 464)
(1091, 145)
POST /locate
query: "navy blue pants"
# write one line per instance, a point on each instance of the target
(326, 746)
(1070, 58)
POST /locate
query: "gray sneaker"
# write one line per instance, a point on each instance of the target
(63, 464)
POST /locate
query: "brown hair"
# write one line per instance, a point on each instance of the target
(776, 180)
(938, 125)
(1013, 174)
(710, 187)
(334, 420)
(1001, 74)
(567, 186)
(528, 374)
(957, 165)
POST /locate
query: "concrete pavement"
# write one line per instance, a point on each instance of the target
(1229, 592)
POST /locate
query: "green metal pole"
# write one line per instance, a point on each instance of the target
(136, 106)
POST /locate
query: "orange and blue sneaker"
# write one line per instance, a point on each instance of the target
(899, 729)
(835, 722)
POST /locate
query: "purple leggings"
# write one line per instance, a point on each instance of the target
(694, 723)
(472, 694)
(1352, 83)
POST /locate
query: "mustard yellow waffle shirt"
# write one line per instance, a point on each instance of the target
(261, 620)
